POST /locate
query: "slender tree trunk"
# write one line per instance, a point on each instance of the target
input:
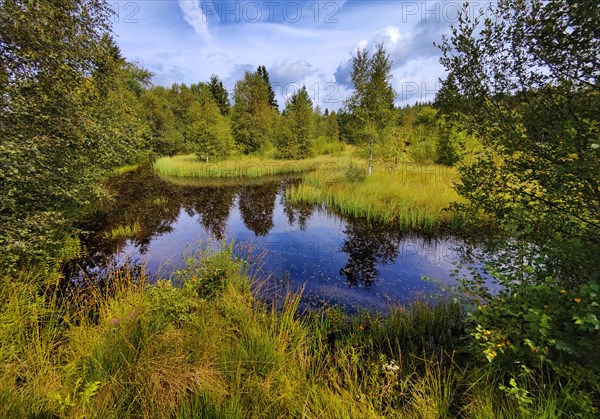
(370, 156)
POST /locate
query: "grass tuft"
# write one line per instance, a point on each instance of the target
(124, 231)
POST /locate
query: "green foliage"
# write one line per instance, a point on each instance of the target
(253, 117)
(418, 134)
(264, 74)
(526, 85)
(69, 115)
(327, 126)
(372, 101)
(220, 94)
(208, 274)
(543, 323)
(208, 131)
(323, 146)
(297, 127)
(165, 136)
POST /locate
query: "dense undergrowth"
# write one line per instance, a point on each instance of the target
(208, 348)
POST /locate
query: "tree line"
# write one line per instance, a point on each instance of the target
(201, 118)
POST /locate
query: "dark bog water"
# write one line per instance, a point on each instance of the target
(351, 262)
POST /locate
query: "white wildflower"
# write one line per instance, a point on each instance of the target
(391, 368)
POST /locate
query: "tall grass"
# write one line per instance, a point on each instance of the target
(251, 167)
(413, 197)
(123, 231)
(208, 348)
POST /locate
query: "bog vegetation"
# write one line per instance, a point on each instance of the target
(511, 141)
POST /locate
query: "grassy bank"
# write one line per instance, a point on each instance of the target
(413, 196)
(209, 349)
(189, 166)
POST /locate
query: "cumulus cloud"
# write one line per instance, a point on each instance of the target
(402, 47)
(237, 74)
(289, 71)
(195, 17)
(342, 74)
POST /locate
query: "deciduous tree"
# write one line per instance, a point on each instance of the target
(372, 101)
(526, 81)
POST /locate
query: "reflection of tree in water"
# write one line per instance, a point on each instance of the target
(256, 205)
(214, 205)
(154, 205)
(138, 197)
(300, 212)
(366, 245)
(134, 199)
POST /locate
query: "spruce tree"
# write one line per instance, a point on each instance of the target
(262, 72)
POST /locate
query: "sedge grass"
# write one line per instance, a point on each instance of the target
(124, 231)
(126, 169)
(189, 166)
(413, 197)
(199, 182)
(208, 348)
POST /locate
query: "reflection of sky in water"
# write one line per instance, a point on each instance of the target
(322, 257)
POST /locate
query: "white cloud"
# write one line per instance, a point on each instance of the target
(194, 15)
(290, 71)
(305, 52)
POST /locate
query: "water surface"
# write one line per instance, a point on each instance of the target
(335, 260)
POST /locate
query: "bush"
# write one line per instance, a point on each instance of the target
(327, 147)
(355, 174)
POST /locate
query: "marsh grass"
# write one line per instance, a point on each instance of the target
(208, 348)
(196, 182)
(123, 231)
(189, 166)
(415, 197)
(126, 169)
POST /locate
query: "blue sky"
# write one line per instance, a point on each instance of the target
(300, 42)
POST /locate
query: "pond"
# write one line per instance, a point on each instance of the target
(336, 260)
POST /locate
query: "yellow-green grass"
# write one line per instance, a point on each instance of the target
(123, 231)
(251, 167)
(207, 348)
(161, 200)
(413, 196)
(125, 169)
(225, 181)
